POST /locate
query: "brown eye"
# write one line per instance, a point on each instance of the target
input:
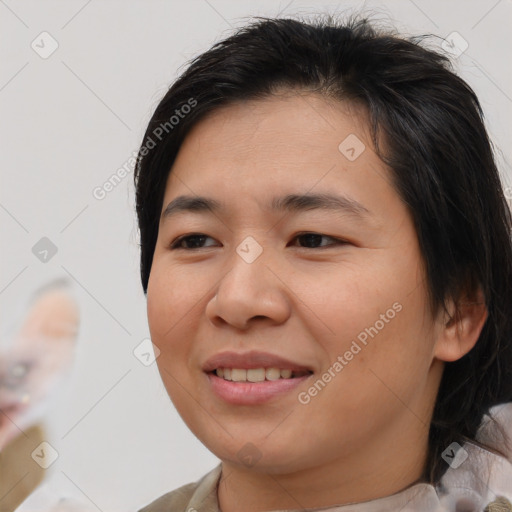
(315, 239)
(194, 240)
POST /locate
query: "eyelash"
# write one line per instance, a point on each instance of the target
(175, 245)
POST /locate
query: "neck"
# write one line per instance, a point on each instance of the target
(379, 469)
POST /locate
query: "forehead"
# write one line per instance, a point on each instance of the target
(251, 151)
(298, 122)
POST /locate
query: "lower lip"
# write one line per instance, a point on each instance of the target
(252, 393)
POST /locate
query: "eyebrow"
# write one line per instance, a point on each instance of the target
(287, 203)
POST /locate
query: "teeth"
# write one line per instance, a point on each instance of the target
(255, 374)
(286, 374)
(238, 375)
(272, 373)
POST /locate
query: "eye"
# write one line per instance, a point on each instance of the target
(196, 241)
(315, 239)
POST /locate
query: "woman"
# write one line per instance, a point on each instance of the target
(325, 248)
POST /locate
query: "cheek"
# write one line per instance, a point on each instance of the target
(171, 317)
(158, 302)
(380, 326)
(390, 357)
(168, 301)
(351, 303)
(174, 301)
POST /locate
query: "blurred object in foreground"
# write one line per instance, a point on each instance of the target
(32, 364)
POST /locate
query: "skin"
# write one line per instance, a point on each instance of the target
(364, 436)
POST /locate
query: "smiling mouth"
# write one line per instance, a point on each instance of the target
(257, 374)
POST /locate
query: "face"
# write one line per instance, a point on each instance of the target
(302, 282)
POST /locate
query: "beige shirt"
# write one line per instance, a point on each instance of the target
(476, 480)
(201, 496)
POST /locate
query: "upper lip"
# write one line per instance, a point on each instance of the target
(252, 359)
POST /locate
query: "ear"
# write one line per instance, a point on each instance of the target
(462, 326)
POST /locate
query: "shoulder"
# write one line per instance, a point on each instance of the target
(496, 429)
(482, 474)
(200, 496)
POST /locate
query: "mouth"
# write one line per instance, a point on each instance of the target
(262, 362)
(254, 378)
(258, 374)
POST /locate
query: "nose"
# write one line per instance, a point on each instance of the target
(249, 293)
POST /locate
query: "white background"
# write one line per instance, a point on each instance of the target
(68, 123)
